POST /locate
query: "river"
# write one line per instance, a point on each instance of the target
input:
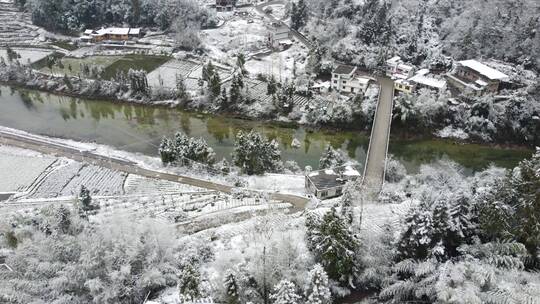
(138, 128)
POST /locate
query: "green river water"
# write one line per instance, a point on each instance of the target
(138, 128)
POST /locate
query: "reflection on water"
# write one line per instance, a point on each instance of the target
(138, 128)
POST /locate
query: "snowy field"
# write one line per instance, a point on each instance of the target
(280, 64)
(19, 168)
(28, 55)
(166, 74)
(236, 35)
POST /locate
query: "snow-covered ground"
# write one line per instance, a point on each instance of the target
(236, 35)
(282, 64)
(278, 10)
(19, 168)
(27, 55)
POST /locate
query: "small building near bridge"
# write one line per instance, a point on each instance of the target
(328, 183)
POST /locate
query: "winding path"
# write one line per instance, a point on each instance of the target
(43, 145)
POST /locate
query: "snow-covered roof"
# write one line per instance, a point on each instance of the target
(484, 70)
(428, 81)
(481, 83)
(350, 171)
(134, 31)
(422, 72)
(394, 60)
(113, 31)
(363, 80)
(344, 69)
(88, 32)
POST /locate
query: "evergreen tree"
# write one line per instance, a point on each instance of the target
(255, 154)
(85, 202)
(347, 205)
(181, 89)
(235, 92)
(317, 289)
(299, 14)
(271, 87)
(189, 280)
(333, 245)
(240, 64)
(231, 287)
(331, 158)
(285, 293)
(214, 86)
(208, 71)
(167, 151)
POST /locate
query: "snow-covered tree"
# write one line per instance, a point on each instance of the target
(231, 287)
(189, 279)
(183, 150)
(317, 290)
(331, 158)
(333, 245)
(255, 154)
(285, 293)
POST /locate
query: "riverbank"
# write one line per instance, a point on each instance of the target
(140, 128)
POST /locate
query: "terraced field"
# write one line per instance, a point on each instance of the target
(17, 172)
(16, 28)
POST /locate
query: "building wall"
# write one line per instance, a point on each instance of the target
(406, 88)
(346, 84)
(471, 75)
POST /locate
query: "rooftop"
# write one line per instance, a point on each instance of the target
(483, 69)
(344, 69)
(329, 178)
(428, 81)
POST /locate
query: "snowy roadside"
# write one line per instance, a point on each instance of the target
(283, 183)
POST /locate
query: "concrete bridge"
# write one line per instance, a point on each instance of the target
(375, 165)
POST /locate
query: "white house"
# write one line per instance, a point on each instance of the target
(345, 80)
(279, 36)
(329, 183)
(397, 69)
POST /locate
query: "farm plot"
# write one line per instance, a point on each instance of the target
(73, 66)
(27, 56)
(136, 62)
(166, 74)
(51, 182)
(17, 172)
(99, 180)
(182, 207)
(66, 179)
(136, 184)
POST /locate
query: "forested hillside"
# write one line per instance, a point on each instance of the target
(76, 15)
(422, 30)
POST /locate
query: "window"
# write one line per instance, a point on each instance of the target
(339, 191)
(344, 82)
(400, 86)
(352, 90)
(335, 81)
(407, 87)
(324, 193)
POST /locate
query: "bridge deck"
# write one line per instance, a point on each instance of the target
(378, 141)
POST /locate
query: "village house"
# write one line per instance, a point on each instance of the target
(225, 5)
(397, 69)
(403, 85)
(110, 34)
(279, 36)
(329, 183)
(345, 80)
(422, 79)
(472, 77)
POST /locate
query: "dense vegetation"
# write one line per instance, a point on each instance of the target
(76, 15)
(422, 31)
